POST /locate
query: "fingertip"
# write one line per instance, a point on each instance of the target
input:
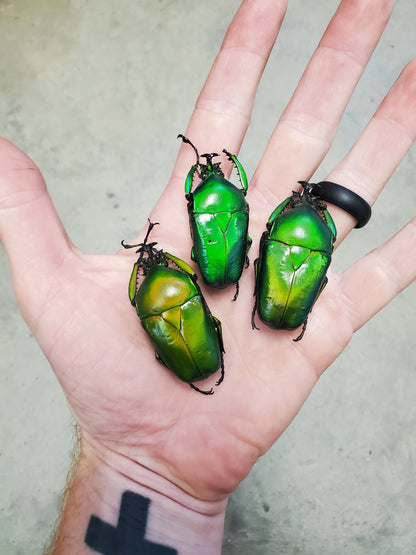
(252, 16)
(400, 103)
(12, 158)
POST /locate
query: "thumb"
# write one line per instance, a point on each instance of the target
(30, 229)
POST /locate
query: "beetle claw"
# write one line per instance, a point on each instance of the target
(302, 333)
(237, 290)
(253, 315)
(210, 392)
(222, 371)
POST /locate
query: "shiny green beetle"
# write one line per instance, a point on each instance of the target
(218, 218)
(295, 253)
(173, 312)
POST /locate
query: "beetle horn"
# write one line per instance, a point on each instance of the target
(209, 157)
(307, 187)
(149, 229)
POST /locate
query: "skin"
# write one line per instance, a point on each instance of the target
(102, 359)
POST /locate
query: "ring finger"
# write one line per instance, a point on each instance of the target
(380, 148)
(307, 127)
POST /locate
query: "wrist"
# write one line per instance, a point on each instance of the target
(114, 499)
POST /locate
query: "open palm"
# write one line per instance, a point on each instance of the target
(77, 305)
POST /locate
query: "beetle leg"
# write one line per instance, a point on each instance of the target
(157, 357)
(190, 177)
(279, 209)
(210, 392)
(256, 268)
(187, 141)
(222, 370)
(189, 181)
(253, 312)
(237, 290)
(181, 264)
(242, 176)
(133, 284)
(249, 243)
(218, 328)
(302, 333)
(330, 223)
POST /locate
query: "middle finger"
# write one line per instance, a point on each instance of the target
(307, 127)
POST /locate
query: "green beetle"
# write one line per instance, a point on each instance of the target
(218, 218)
(173, 312)
(295, 253)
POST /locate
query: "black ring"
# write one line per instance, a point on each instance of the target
(345, 199)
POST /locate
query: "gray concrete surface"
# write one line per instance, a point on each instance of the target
(96, 91)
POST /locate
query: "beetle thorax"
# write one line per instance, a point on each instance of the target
(217, 194)
(163, 288)
(303, 226)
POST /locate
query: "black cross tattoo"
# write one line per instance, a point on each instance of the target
(127, 538)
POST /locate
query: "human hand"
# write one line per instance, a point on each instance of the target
(77, 308)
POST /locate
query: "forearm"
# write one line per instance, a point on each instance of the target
(109, 512)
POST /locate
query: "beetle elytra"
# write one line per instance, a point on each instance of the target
(295, 253)
(173, 312)
(218, 217)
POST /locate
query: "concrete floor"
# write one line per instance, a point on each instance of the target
(95, 92)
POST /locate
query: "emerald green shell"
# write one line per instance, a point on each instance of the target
(179, 324)
(218, 217)
(295, 253)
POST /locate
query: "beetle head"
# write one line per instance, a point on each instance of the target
(205, 170)
(148, 255)
(307, 187)
(308, 195)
